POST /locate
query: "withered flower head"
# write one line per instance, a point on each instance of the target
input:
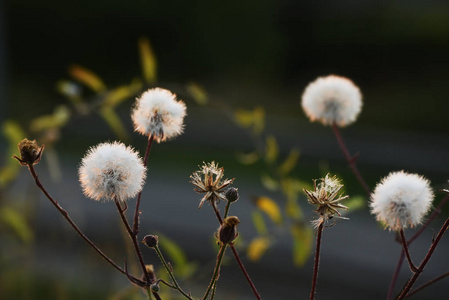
(227, 232)
(209, 180)
(30, 152)
(325, 197)
(151, 240)
(232, 194)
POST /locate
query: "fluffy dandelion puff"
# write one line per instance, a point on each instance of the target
(111, 171)
(157, 113)
(401, 200)
(332, 99)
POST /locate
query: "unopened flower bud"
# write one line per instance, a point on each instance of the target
(227, 232)
(154, 287)
(232, 194)
(150, 240)
(30, 152)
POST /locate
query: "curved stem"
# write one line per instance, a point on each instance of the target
(71, 222)
(228, 205)
(317, 261)
(435, 213)
(427, 284)
(413, 268)
(236, 255)
(415, 276)
(170, 273)
(351, 160)
(134, 240)
(137, 212)
(216, 271)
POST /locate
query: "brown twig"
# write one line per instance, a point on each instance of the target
(427, 284)
(317, 261)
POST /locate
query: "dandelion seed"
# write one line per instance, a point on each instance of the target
(332, 99)
(325, 197)
(157, 113)
(208, 180)
(401, 200)
(111, 171)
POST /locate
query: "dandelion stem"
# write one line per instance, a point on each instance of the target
(435, 213)
(216, 270)
(415, 276)
(350, 159)
(236, 255)
(427, 284)
(413, 268)
(71, 222)
(317, 260)
(134, 240)
(136, 212)
(170, 273)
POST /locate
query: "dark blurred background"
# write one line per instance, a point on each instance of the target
(244, 53)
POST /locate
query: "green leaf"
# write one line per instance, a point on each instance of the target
(114, 122)
(122, 93)
(302, 243)
(355, 203)
(198, 93)
(259, 222)
(176, 256)
(17, 223)
(147, 60)
(271, 149)
(247, 158)
(87, 77)
(59, 118)
(269, 183)
(13, 133)
(290, 162)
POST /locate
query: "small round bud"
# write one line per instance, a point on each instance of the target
(232, 194)
(30, 152)
(227, 232)
(154, 287)
(150, 240)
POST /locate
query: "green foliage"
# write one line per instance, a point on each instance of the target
(181, 266)
(13, 134)
(16, 221)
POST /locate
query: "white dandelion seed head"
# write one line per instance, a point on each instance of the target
(158, 113)
(332, 99)
(111, 171)
(401, 200)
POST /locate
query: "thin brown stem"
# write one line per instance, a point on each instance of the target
(134, 240)
(434, 214)
(395, 275)
(317, 261)
(350, 159)
(413, 268)
(423, 286)
(421, 267)
(236, 255)
(71, 222)
(137, 212)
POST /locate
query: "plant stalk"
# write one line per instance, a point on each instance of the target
(317, 261)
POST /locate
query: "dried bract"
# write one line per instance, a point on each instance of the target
(208, 180)
(30, 152)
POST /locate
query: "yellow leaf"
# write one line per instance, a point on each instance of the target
(259, 222)
(269, 183)
(290, 162)
(271, 149)
(59, 118)
(259, 120)
(269, 207)
(302, 243)
(113, 120)
(121, 93)
(148, 60)
(198, 93)
(87, 77)
(13, 134)
(257, 248)
(247, 158)
(244, 118)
